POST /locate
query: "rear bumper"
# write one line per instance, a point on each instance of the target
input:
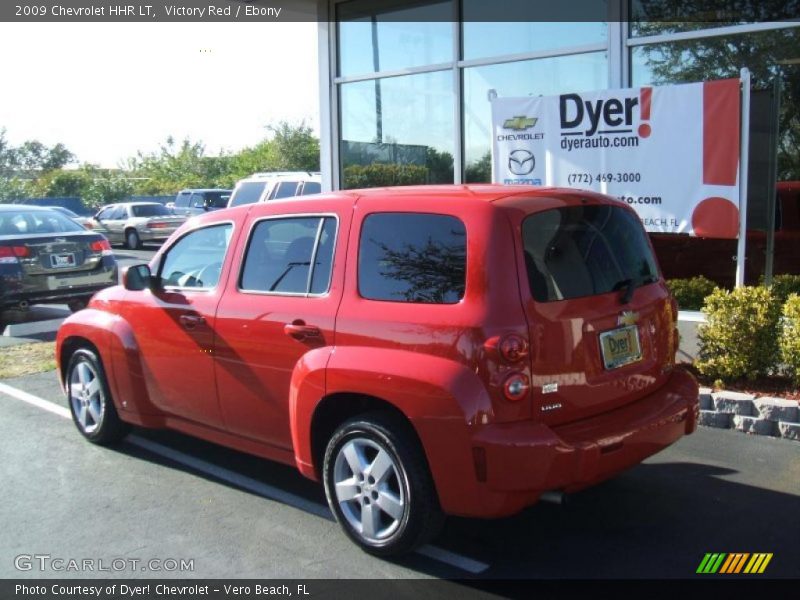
(522, 460)
(16, 287)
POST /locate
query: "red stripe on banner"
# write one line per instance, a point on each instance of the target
(646, 95)
(721, 108)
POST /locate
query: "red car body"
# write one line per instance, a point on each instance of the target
(238, 369)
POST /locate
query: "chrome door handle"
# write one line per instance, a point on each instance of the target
(300, 331)
(191, 321)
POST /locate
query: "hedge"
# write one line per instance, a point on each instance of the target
(790, 337)
(740, 338)
(690, 293)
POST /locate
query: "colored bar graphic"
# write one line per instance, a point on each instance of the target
(733, 563)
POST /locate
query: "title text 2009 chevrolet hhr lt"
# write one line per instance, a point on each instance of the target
(423, 351)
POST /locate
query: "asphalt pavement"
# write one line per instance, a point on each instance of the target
(162, 496)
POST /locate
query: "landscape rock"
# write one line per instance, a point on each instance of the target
(706, 401)
(777, 409)
(755, 425)
(736, 403)
(789, 431)
(720, 420)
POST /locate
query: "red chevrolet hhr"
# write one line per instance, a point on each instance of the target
(423, 351)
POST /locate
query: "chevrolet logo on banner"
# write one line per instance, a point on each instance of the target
(519, 123)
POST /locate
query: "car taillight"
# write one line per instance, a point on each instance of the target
(512, 348)
(516, 387)
(102, 246)
(14, 252)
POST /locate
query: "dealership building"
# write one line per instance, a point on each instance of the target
(406, 85)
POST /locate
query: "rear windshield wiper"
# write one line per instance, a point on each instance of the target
(628, 286)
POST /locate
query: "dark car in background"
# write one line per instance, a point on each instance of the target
(46, 257)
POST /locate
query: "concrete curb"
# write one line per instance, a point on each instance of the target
(764, 415)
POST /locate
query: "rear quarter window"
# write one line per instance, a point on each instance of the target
(412, 257)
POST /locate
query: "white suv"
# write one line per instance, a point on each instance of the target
(261, 187)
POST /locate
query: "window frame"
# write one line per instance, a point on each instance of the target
(415, 213)
(163, 258)
(320, 226)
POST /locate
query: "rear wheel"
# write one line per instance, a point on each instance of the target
(132, 239)
(90, 401)
(379, 487)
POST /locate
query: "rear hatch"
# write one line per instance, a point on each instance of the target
(599, 315)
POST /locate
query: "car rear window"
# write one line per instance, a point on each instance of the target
(247, 193)
(33, 222)
(412, 257)
(151, 210)
(584, 251)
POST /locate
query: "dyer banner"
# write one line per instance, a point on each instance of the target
(670, 152)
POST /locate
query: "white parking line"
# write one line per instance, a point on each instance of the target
(242, 481)
(56, 409)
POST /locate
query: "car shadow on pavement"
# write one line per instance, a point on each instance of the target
(654, 521)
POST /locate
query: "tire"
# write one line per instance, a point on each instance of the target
(132, 239)
(78, 303)
(93, 411)
(403, 486)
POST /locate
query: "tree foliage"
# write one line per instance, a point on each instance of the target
(36, 170)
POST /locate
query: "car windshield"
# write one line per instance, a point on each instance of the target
(247, 193)
(150, 210)
(35, 222)
(585, 250)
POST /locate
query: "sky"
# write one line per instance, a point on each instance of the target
(107, 90)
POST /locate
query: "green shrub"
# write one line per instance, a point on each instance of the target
(783, 286)
(740, 338)
(380, 175)
(690, 293)
(790, 337)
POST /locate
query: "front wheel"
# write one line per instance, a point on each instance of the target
(90, 401)
(379, 487)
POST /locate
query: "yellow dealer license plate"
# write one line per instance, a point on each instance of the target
(620, 346)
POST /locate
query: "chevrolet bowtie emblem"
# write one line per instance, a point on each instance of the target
(519, 122)
(628, 317)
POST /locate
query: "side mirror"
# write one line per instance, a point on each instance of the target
(137, 278)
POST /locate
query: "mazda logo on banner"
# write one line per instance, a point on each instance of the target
(521, 162)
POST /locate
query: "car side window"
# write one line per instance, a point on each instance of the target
(412, 257)
(104, 213)
(117, 213)
(182, 199)
(280, 254)
(197, 201)
(285, 189)
(311, 187)
(195, 261)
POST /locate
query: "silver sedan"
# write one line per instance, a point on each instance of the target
(133, 223)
